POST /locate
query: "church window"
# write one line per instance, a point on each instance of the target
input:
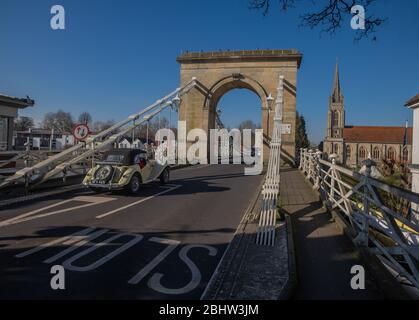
(391, 154)
(335, 119)
(362, 154)
(348, 152)
(376, 153)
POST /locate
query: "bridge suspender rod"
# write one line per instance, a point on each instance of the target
(270, 191)
(57, 163)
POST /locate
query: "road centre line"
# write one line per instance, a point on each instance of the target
(91, 201)
(172, 187)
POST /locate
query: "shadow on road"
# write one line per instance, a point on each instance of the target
(29, 277)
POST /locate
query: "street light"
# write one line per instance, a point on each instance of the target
(270, 101)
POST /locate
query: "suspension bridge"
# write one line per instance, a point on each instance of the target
(187, 230)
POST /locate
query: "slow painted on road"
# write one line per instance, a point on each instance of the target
(163, 244)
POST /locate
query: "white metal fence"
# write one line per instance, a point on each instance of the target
(388, 229)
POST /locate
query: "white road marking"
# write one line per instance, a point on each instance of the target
(66, 240)
(78, 242)
(155, 281)
(32, 215)
(101, 216)
(68, 264)
(199, 166)
(84, 238)
(172, 244)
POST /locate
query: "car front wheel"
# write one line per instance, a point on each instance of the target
(165, 176)
(134, 184)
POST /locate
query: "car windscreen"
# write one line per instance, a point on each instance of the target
(114, 157)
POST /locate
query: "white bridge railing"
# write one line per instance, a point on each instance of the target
(74, 157)
(380, 215)
(270, 192)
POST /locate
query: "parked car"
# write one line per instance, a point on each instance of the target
(125, 169)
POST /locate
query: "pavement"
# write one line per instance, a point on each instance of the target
(253, 272)
(163, 244)
(324, 255)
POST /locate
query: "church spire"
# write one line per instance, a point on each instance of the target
(337, 93)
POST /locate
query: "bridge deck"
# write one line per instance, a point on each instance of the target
(324, 254)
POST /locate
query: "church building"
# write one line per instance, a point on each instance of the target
(354, 144)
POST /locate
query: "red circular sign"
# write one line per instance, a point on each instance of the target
(81, 132)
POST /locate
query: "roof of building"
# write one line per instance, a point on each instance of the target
(413, 101)
(129, 139)
(43, 131)
(14, 102)
(378, 134)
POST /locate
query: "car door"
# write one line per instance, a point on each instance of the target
(146, 169)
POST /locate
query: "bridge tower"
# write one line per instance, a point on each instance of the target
(255, 70)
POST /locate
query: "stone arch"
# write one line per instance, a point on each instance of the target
(228, 83)
(255, 70)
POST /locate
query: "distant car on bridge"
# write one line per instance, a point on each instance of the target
(125, 169)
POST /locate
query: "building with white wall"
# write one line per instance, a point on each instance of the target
(9, 107)
(414, 168)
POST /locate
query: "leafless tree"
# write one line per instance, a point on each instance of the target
(85, 118)
(248, 124)
(99, 126)
(23, 124)
(60, 121)
(330, 16)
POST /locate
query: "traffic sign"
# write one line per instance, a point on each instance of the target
(81, 132)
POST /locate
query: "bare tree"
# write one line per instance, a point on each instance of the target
(99, 126)
(247, 124)
(85, 118)
(59, 121)
(23, 124)
(330, 16)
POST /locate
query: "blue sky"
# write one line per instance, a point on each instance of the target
(116, 57)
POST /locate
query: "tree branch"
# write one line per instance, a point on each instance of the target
(331, 16)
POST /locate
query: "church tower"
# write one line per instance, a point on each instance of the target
(334, 144)
(336, 114)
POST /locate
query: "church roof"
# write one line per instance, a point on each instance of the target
(377, 134)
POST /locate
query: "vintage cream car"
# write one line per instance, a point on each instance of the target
(125, 169)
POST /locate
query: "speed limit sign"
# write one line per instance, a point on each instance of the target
(81, 132)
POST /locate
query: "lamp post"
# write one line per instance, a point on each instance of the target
(270, 101)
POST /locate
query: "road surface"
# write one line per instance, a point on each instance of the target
(163, 244)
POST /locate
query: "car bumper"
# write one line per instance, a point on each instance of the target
(112, 186)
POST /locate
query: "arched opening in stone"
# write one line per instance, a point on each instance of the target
(240, 109)
(237, 108)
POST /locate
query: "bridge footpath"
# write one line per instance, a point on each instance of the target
(324, 255)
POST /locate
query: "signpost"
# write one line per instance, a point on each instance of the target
(81, 132)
